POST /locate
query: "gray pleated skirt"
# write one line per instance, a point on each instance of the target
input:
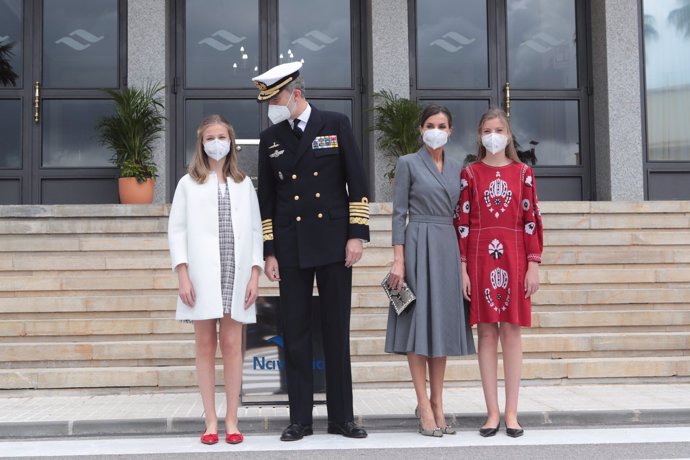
(436, 324)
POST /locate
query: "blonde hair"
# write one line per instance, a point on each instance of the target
(511, 153)
(199, 166)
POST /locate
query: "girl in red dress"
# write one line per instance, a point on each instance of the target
(500, 236)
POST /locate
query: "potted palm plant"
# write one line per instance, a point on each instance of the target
(130, 133)
(396, 119)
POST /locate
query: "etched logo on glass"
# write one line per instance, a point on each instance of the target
(542, 42)
(229, 38)
(317, 40)
(87, 39)
(459, 40)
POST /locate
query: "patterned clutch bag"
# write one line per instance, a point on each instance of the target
(400, 299)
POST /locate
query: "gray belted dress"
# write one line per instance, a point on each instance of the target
(424, 201)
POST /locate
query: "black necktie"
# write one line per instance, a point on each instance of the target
(297, 130)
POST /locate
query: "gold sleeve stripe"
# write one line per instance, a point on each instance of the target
(359, 213)
(267, 225)
(359, 220)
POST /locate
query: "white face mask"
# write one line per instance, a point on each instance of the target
(494, 142)
(217, 148)
(435, 138)
(279, 113)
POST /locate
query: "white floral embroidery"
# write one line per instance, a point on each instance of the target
(496, 249)
(499, 278)
(463, 184)
(529, 228)
(463, 231)
(528, 180)
(466, 207)
(525, 204)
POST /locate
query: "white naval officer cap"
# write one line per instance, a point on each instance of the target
(273, 80)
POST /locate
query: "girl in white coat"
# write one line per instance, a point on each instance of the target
(215, 239)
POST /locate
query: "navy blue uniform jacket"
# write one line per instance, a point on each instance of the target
(312, 191)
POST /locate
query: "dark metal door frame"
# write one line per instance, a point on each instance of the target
(32, 172)
(268, 45)
(498, 72)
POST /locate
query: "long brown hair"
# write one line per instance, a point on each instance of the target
(199, 166)
(511, 153)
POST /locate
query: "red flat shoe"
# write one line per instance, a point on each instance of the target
(234, 438)
(209, 438)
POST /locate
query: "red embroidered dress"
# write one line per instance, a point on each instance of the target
(499, 231)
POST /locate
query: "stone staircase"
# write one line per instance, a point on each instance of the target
(87, 299)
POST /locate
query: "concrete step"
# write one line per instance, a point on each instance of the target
(559, 345)
(371, 347)
(87, 298)
(563, 320)
(467, 370)
(374, 296)
(382, 373)
(20, 329)
(82, 243)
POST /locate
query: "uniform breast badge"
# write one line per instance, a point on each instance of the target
(276, 153)
(325, 142)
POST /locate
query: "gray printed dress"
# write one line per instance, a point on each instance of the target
(227, 247)
(436, 324)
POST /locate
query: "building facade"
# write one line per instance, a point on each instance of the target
(597, 90)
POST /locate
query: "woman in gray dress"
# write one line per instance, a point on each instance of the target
(426, 256)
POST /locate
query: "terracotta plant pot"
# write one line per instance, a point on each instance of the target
(133, 192)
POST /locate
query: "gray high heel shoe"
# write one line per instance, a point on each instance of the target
(445, 430)
(435, 432)
(448, 430)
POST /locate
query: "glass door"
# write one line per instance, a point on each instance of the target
(527, 56)
(63, 52)
(218, 50)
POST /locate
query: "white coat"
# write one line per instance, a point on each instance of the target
(193, 239)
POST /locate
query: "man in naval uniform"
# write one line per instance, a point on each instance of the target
(315, 216)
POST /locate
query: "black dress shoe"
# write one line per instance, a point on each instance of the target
(295, 432)
(514, 432)
(347, 429)
(488, 432)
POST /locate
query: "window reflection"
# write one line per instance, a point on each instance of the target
(10, 43)
(222, 43)
(452, 50)
(10, 132)
(334, 105)
(542, 44)
(548, 128)
(667, 74)
(80, 44)
(319, 37)
(70, 139)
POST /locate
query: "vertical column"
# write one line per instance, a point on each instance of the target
(389, 64)
(616, 55)
(146, 56)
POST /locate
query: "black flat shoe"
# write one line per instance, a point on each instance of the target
(514, 432)
(295, 432)
(347, 429)
(488, 432)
